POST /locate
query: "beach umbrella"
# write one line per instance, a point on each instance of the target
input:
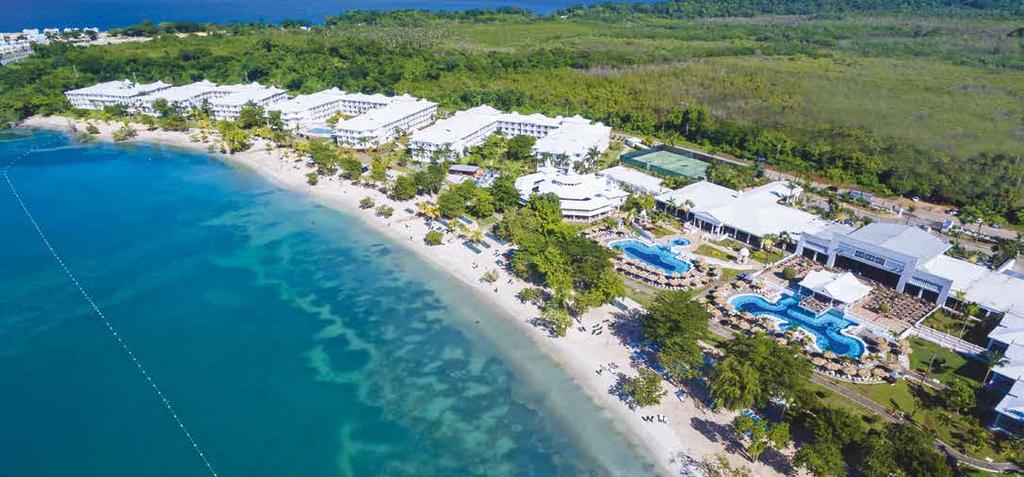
(879, 371)
(865, 359)
(743, 325)
(850, 370)
(864, 373)
(829, 355)
(818, 361)
(832, 366)
(781, 341)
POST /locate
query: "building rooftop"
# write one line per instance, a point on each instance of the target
(377, 118)
(1013, 403)
(182, 93)
(642, 182)
(963, 273)
(571, 138)
(247, 93)
(122, 88)
(304, 102)
(704, 195)
(904, 239)
(998, 291)
(458, 126)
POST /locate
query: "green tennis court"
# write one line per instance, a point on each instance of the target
(667, 161)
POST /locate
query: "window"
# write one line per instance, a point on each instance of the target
(868, 257)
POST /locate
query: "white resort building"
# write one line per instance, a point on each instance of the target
(570, 138)
(634, 180)
(184, 97)
(311, 109)
(743, 215)
(112, 93)
(227, 107)
(583, 197)
(384, 124)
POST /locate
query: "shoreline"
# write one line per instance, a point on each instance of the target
(580, 354)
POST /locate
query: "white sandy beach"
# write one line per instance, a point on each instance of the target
(691, 430)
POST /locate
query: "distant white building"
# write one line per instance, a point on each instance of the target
(112, 93)
(558, 137)
(227, 107)
(354, 104)
(386, 123)
(582, 197)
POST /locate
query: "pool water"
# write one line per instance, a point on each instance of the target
(655, 255)
(679, 242)
(827, 328)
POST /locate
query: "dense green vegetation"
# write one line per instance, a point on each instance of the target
(917, 97)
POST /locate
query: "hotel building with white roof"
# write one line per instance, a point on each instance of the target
(746, 216)
(572, 138)
(310, 109)
(227, 107)
(384, 124)
(582, 197)
(185, 97)
(112, 93)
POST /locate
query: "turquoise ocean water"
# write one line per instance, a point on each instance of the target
(291, 339)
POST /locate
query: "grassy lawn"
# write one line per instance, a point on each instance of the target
(832, 399)
(946, 365)
(925, 407)
(976, 331)
(729, 273)
(766, 257)
(660, 231)
(639, 293)
(709, 251)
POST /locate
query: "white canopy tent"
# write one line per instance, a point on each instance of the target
(841, 287)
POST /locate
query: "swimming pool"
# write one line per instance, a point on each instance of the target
(655, 255)
(826, 329)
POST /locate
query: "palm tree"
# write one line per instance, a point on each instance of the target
(476, 236)
(969, 311)
(768, 241)
(429, 210)
(993, 359)
(786, 239)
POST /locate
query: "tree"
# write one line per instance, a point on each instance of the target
(312, 178)
(557, 318)
(959, 396)
(993, 359)
(755, 370)
(821, 459)
(366, 203)
(324, 155)
(901, 449)
(520, 148)
(404, 188)
(676, 324)
(760, 434)
(644, 389)
(250, 116)
(385, 211)
(124, 133)
(504, 192)
(451, 204)
(434, 237)
(351, 168)
(379, 169)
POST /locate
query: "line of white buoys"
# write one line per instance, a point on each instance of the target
(106, 322)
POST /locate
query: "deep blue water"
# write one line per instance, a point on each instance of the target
(827, 328)
(18, 14)
(655, 255)
(291, 339)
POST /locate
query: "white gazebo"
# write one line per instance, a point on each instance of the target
(837, 287)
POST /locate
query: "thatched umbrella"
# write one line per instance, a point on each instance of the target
(879, 371)
(818, 361)
(743, 325)
(850, 370)
(781, 341)
(865, 359)
(829, 355)
(864, 373)
(832, 366)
